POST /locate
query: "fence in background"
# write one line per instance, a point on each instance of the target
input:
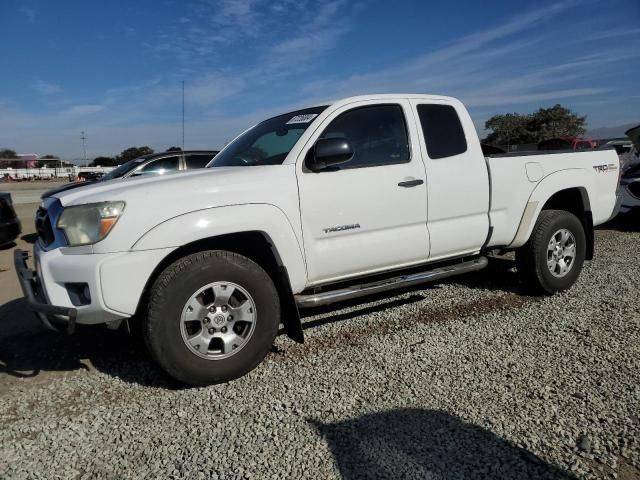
(48, 173)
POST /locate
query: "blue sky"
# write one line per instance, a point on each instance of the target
(114, 68)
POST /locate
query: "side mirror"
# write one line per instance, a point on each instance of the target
(328, 152)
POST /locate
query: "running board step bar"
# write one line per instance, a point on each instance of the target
(355, 291)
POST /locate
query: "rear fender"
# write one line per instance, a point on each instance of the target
(563, 180)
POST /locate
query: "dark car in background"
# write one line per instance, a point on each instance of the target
(10, 226)
(152, 164)
(90, 176)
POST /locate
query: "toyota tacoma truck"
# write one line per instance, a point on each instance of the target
(308, 208)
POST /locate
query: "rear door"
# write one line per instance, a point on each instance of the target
(370, 213)
(458, 193)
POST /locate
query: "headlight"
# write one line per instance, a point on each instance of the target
(88, 224)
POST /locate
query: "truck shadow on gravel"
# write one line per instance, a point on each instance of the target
(500, 275)
(425, 444)
(28, 351)
(623, 222)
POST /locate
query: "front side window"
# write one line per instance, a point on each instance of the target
(159, 167)
(269, 142)
(377, 134)
(442, 130)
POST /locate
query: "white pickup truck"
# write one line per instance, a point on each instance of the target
(311, 207)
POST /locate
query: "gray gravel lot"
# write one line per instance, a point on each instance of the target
(466, 379)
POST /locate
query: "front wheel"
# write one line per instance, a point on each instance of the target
(553, 257)
(212, 317)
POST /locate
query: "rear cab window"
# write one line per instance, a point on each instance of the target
(443, 132)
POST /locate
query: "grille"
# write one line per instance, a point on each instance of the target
(634, 188)
(43, 227)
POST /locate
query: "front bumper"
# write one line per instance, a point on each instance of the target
(113, 283)
(35, 297)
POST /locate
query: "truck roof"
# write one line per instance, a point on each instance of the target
(394, 96)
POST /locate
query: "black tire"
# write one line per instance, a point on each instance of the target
(531, 258)
(175, 286)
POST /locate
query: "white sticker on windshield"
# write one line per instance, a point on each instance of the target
(302, 118)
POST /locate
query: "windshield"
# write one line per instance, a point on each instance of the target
(269, 142)
(123, 169)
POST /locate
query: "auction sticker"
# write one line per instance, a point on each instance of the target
(306, 118)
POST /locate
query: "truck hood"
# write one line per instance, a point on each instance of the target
(151, 201)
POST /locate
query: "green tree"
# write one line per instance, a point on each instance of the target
(173, 149)
(509, 129)
(543, 124)
(556, 122)
(7, 153)
(133, 152)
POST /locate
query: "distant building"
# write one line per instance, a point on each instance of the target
(29, 160)
(22, 160)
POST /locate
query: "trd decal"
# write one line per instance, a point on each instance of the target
(605, 168)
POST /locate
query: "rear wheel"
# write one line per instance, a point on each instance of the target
(212, 317)
(553, 257)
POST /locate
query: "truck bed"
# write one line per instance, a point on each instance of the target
(520, 180)
(527, 153)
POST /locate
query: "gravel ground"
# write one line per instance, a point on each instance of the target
(467, 379)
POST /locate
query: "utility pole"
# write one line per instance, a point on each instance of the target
(183, 115)
(83, 137)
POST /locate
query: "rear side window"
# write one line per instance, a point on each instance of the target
(378, 135)
(442, 130)
(198, 161)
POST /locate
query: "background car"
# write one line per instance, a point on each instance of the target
(152, 164)
(630, 172)
(621, 146)
(10, 226)
(567, 144)
(90, 176)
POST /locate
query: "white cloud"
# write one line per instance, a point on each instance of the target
(314, 38)
(487, 68)
(30, 14)
(619, 32)
(46, 88)
(81, 110)
(492, 70)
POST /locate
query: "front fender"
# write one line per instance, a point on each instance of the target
(551, 184)
(211, 222)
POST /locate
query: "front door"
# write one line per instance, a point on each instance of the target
(370, 213)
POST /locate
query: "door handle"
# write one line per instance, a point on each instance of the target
(411, 183)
